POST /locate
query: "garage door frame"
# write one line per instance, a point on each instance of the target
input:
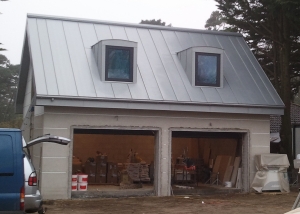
(157, 146)
(245, 150)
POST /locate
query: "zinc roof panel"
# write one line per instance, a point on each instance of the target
(102, 32)
(138, 90)
(37, 62)
(242, 71)
(64, 63)
(145, 69)
(84, 82)
(103, 89)
(88, 34)
(211, 95)
(184, 40)
(226, 94)
(50, 74)
(195, 93)
(197, 39)
(272, 92)
(158, 69)
(61, 59)
(169, 65)
(253, 72)
(89, 38)
(121, 90)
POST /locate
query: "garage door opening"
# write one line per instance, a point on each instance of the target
(118, 162)
(206, 160)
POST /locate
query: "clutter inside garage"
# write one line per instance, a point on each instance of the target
(202, 159)
(112, 159)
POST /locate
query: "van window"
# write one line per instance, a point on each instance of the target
(6, 155)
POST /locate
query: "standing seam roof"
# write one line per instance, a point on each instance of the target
(64, 64)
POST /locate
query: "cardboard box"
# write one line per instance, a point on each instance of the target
(101, 158)
(90, 168)
(101, 179)
(113, 179)
(91, 178)
(101, 164)
(112, 168)
(101, 168)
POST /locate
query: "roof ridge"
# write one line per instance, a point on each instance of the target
(30, 15)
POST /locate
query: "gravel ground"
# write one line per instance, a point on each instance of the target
(275, 202)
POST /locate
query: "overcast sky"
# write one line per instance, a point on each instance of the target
(180, 13)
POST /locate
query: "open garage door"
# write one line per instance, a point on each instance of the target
(116, 162)
(206, 160)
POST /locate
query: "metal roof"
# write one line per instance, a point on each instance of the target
(65, 69)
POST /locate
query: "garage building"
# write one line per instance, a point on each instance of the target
(141, 94)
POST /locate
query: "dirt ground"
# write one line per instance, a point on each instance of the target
(274, 202)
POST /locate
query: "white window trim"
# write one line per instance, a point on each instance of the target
(101, 57)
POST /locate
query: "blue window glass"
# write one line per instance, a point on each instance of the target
(118, 63)
(207, 69)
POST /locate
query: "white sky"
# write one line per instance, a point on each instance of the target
(180, 13)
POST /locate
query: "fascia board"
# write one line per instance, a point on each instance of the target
(166, 106)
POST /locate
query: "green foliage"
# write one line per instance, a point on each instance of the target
(215, 21)
(8, 88)
(272, 30)
(154, 22)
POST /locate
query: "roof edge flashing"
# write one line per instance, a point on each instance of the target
(159, 105)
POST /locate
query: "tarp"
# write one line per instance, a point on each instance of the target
(265, 162)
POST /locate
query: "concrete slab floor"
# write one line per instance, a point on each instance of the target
(98, 191)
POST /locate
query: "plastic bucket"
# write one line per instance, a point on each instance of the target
(82, 186)
(82, 178)
(227, 183)
(74, 186)
(74, 178)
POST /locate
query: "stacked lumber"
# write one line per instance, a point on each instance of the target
(225, 170)
(144, 172)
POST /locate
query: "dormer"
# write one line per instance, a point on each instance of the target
(116, 60)
(203, 66)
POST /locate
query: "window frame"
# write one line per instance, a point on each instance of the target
(131, 56)
(99, 52)
(218, 75)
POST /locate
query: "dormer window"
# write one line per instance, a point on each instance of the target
(207, 69)
(116, 60)
(119, 63)
(203, 66)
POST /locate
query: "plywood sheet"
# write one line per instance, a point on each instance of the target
(217, 164)
(224, 164)
(239, 179)
(236, 165)
(228, 173)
